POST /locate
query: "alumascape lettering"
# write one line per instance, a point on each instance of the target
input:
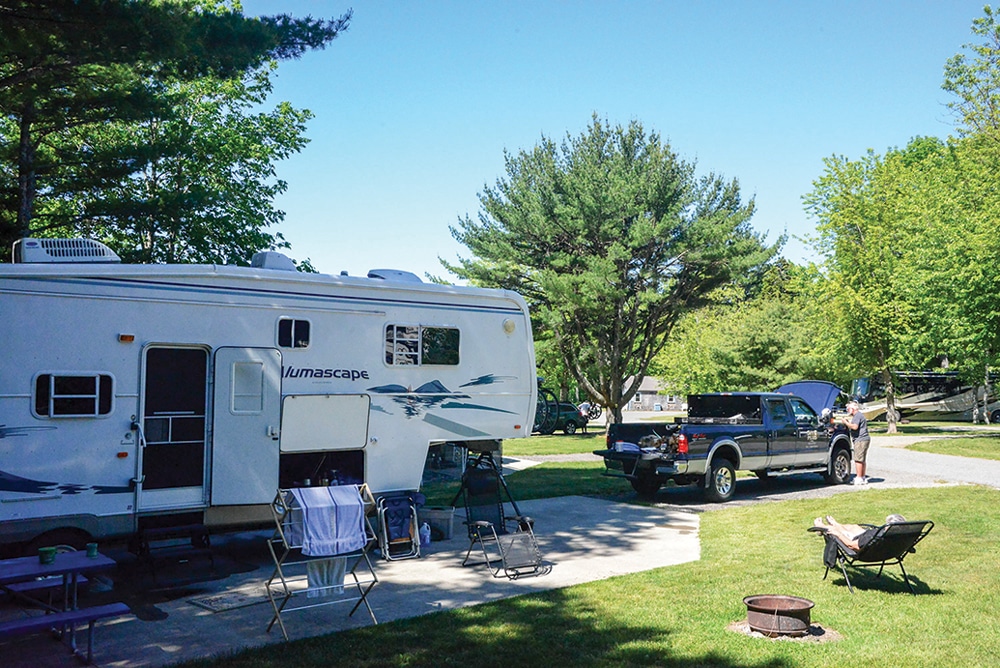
(345, 374)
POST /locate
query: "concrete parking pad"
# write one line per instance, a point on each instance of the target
(582, 539)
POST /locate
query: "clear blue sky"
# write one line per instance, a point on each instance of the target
(416, 102)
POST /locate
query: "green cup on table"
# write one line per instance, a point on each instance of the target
(46, 555)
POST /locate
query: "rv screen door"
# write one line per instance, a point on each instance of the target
(246, 418)
(175, 389)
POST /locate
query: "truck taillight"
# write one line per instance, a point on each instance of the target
(682, 444)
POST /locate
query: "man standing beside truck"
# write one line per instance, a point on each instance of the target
(857, 423)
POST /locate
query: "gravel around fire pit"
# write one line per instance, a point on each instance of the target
(817, 633)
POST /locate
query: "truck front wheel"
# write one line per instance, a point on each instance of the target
(721, 484)
(646, 485)
(840, 467)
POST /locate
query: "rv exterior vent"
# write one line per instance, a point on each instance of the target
(42, 251)
(394, 275)
(272, 260)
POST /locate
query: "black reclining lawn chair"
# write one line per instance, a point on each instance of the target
(511, 538)
(888, 546)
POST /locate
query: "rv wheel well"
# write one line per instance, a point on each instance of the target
(65, 540)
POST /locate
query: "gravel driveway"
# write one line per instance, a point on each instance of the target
(890, 465)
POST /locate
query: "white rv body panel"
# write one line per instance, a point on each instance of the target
(141, 389)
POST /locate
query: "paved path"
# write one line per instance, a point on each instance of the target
(890, 465)
(890, 460)
(582, 539)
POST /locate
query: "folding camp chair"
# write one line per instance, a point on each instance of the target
(511, 538)
(890, 545)
(399, 534)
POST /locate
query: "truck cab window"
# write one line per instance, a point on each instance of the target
(778, 411)
(804, 415)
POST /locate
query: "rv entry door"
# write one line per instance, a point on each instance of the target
(246, 420)
(174, 402)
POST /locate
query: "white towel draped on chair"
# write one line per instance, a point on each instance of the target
(327, 521)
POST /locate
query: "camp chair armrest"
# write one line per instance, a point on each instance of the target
(480, 524)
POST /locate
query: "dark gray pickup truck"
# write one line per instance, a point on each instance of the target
(767, 433)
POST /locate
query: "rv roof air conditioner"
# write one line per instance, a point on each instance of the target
(394, 275)
(46, 251)
(272, 260)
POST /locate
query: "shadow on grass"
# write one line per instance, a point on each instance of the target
(888, 582)
(549, 629)
(586, 479)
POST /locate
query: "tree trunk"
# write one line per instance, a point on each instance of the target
(25, 178)
(890, 402)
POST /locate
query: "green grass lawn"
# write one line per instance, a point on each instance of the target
(922, 427)
(678, 615)
(546, 480)
(555, 444)
(982, 447)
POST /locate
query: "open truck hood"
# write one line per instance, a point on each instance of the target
(819, 394)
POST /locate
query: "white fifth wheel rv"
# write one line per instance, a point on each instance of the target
(130, 392)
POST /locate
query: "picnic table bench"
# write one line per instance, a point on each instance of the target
(64, 619)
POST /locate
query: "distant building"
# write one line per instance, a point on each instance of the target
(649, 397)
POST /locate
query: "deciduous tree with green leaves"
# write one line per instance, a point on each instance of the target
(974, 79)
(754, 341)
(612, 238)
(866, 238)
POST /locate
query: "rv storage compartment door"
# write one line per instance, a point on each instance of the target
(324, 422)
(247, 413)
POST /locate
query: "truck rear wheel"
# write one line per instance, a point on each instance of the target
(721, 484)
(646, 485)
(840, 467)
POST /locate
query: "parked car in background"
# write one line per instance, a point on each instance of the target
(568, 419)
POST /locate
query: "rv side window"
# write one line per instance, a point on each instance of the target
(414, 344)
(439, 346)
(293, 333)
(60, 396)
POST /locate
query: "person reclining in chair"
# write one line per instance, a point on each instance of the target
(853, 536)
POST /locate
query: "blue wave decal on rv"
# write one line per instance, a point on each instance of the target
(488, 379)
(478, 407)
(434, 393)
(416, 402)
(12, 483)
(7, 432)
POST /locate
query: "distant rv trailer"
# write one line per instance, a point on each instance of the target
(924, 395)
(134, 392)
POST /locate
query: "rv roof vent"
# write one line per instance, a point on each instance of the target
(272, 260)
(39, 251)
(394, 275)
